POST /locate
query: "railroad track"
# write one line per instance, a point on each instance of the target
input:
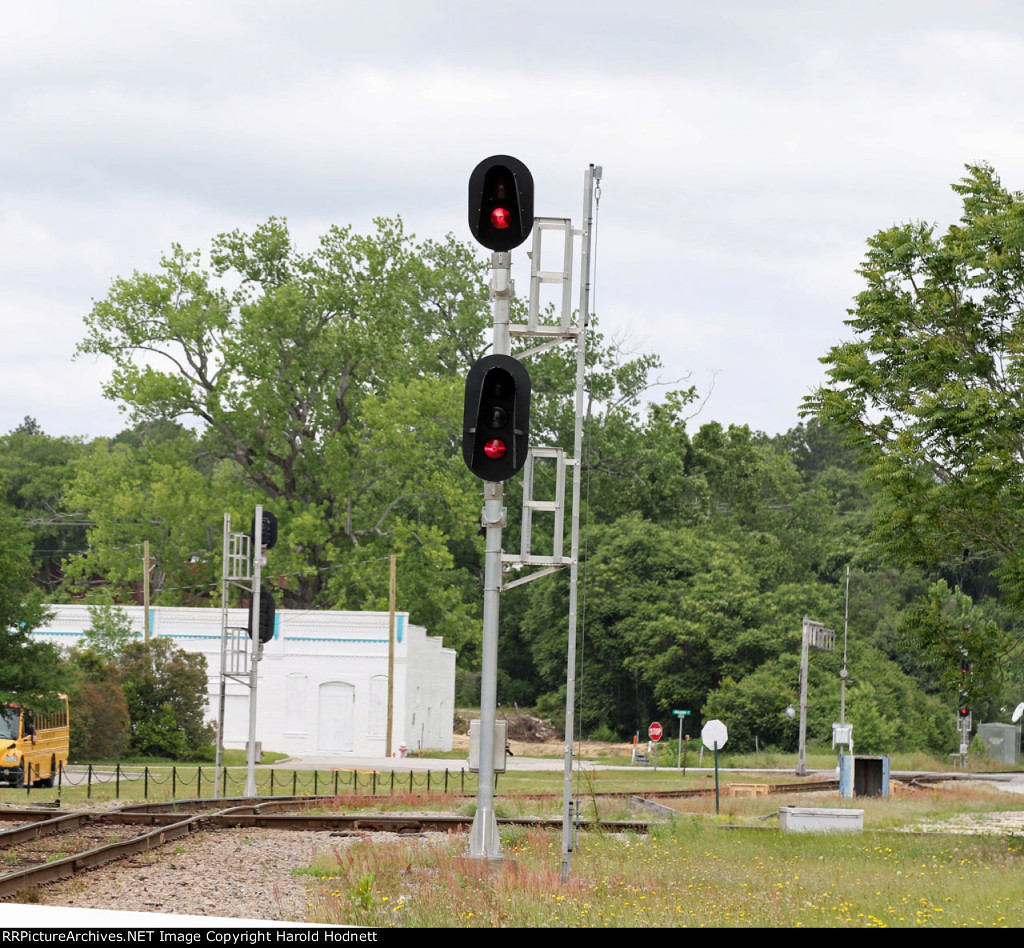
(47, 847)
(39, 849)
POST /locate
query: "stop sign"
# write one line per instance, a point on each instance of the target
(654, 732)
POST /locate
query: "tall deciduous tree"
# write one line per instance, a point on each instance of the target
(327, 380)
(165, 691)
(931, 388)
(37, 469)
(27, 667)
(99, 714)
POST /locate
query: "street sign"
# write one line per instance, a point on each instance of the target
(714, 732)
(654, 732)
(681, 714)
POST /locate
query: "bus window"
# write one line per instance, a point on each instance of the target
(10, 719)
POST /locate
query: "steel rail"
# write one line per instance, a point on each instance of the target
(41, 828)
(243, 815)
(12, 882)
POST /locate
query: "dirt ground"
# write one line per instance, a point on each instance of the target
(553, 748)
(530, 736)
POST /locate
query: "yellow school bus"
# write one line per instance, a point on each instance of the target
(33, 744)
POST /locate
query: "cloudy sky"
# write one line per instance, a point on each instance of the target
(749, 148)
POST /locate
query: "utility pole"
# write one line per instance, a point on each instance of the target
(392, 583)
(145, 587)
(814, 636)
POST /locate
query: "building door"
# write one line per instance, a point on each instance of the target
(335, 717)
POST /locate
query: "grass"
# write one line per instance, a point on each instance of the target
(735, 869)
(232, 758)
(516, 786)
(692, 872)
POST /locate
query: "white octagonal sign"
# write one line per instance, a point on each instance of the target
(714, 732)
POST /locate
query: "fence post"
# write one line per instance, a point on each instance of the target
(335, 783)
(199, 782)
(316, 773)
(295, 783)
(428, 781)
(117, 781)
(410, 780)
(174, 782)
(392, 783)
(271, 781)
(224, 780)
(446, 780)
(145, 783)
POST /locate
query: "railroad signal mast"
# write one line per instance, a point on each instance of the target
(241, 647)
(496, 444)
(963, 708)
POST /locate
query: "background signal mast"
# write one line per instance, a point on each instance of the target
(241, 647)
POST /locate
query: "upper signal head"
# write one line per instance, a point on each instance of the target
(501, 202)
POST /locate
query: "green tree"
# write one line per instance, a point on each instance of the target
(931, 389)
(37, 470)
(155, 492)
(328, 385)
(950, 628)
(165, 691)
(99, 713)
(110, 631)
(754, 707)
(670, 611)
(27, 666)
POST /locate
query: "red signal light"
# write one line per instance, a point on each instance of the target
(501, 206)
(495, 448)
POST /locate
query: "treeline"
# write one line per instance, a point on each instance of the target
(328, 386)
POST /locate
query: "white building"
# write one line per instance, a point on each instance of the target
(323, 679)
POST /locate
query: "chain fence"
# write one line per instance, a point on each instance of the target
(190, 782)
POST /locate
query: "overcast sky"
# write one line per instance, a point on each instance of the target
(749, 149)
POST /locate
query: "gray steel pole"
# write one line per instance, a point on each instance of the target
(502, 290)
(257, 649)
(484, 842)
(219, 760)
(842, 671)
(590, 177)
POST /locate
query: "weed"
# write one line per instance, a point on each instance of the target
(692, 872)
